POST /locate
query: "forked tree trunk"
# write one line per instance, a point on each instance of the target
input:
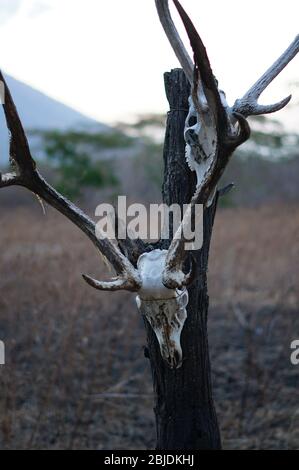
(185, 413)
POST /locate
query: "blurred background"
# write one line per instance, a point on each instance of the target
(87, 78)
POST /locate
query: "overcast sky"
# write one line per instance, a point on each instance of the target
(106, 58)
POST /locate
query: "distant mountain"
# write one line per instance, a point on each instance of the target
(39, 111)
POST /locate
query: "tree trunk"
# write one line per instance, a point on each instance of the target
(185, 413)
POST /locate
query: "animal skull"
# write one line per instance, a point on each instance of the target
(165, 309)
(192, 130)
(201, 143)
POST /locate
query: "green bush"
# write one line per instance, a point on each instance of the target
(70, 154)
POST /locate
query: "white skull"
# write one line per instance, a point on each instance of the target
(191, 135)
(165, 309)
(201, 143)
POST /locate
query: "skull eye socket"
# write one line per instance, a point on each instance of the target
(192, 121)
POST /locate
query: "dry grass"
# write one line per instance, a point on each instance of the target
(72, 353)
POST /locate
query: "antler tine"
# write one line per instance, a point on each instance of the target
(113, 285)
(20, 153)
(173, 276)
(25, 174)
(174, 38)
(179, 48)
(248, 105)
(203, 74)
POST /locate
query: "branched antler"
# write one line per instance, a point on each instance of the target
(26, 174)
(220, 129)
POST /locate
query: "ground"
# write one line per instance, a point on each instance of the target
(75, 374)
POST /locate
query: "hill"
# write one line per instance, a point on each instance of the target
(39, 111)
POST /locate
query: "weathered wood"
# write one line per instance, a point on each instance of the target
(185, 414)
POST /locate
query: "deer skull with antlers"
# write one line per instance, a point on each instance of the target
(213, 131)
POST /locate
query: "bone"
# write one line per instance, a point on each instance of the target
(165, 309)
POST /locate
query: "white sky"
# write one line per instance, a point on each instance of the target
(106, 57)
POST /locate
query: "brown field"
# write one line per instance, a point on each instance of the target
(75, 375)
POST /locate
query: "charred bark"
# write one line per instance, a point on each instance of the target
(185, 413)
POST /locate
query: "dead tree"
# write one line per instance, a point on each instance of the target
(171, 285)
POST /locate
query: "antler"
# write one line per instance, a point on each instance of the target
(26, 174)
(248, 105)
(228, 127)
(174, 38)
(178, 47)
